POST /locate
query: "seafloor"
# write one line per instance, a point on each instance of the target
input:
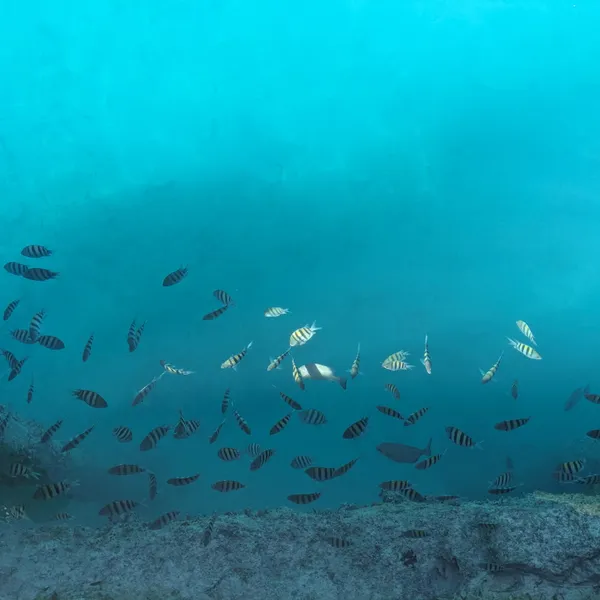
(548, 546)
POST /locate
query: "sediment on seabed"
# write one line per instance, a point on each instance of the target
(548, 547)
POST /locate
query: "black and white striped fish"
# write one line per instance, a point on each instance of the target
(152, 439)
(175, 277)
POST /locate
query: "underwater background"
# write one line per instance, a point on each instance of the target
(388, 170)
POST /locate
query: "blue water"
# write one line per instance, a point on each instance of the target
(386, 169)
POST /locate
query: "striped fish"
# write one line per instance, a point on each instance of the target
(74, 442)
(412, 419)
(228, 454)
(143, 393)
(526, 331)
(123, 434)
(175, 277)
(48, 491)
(301, 462)
(393, 389)
(275, 362)
(488, 376)
(92, 399)
(337, 542)
(8, 311)
(262, 459)
(21, 335)
(321, 473)
(304, 498)
(223, 297)
(152, 486)
(30, 392)
(208, 532)
(126, 470)
(152, 439)
(36, 324)
(225, 401)
(502, 480)
(38, 274)
(345, 467)
(390, 412)
(227, 485)
(312, 416)
(169, 368)
(297, 377)
(234, 360)
(356, 429)
(281, 424)
(117, 508)
(426, 360)
(215, 434)
(164, 520)
(181, 481)
(302, 335)
(215, 314)
(275, 311)
(429, 462)
(253, 450)
(524, 349)
(354, 370)
(395, 485)
(51, 342)
(290, 401)
(242, 423)
(15, 268)
(36, 251)
(47, 435)
(87, 351)
(511, 424)
(460, 438)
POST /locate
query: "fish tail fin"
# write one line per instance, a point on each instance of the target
(343, 382)
(428, 447)
(478, 445)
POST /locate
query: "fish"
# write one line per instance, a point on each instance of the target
(302, 335)
(21, 470)
(38, 274)
(426, 360)
(208, 532)
(47, 435)
(399, 356)
(36, 324)
(36, 251)
(524, 349)
(92, 399)
(15, 268)
(118, 508)
(153, 437)
(354, 370)
(415, 533)
(395, 485)
(514, 390)
(526, 331)
(175, 277)
(301, 462)
(223, 297)
(499, 491)
(281, 424)
(337, 542)
(22, 335)
(126, 469)
(275, 362)
(429, 462)
(87, 350)
(8, 311)
(185, 428)
(169, 368)
(134, 335)
(181, 481)
(316, 371)
(502, 480)
(233, 361)
(242, 423)
(164, 520)
(488, 376)
(297, 376)
(215, 434)
(397, 365)
(312, 416)
(253, 450)
(143, 393)
(30, 392)
(211, 316)
(123, 434)
(290, 401)
(594, 434)
(402, 453)
(511, 424)
(51, 342)
(390, 412)
(152, 485)
(576, 396)
(261, 459)
(412, 419)
(225, 401)
(304, 498)
(345, 467)
(228, 454)
(460, 438)
(321, 473)
(48, 491)
(74, 442)
(276, 311)
(356, 429)
(571, 467)
(393, 389)
(227, 485)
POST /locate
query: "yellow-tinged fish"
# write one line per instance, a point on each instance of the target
(297, 376)
(490, 374)
(524, 349)
(526, 331)
(169, 368)
(399, 356)
(354, 370)
(276, 311)
(426, 360)
(397, 365)
(303, 334)
(275, 362)
(235, 359)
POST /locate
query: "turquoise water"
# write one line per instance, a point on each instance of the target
(386, 171)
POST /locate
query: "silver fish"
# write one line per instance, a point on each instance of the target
(576, 396)
(316, 371)
(402, 453)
